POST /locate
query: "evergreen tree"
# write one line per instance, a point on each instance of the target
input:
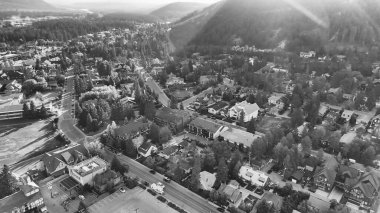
(195, 174)
(25, 111)
(33, 110)
(6, 182)
(89, 122)
(251, 126)
(43, 112)
(222, 171)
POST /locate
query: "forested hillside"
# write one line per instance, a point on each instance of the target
(177, 10)
(301, 24)
(35, 5)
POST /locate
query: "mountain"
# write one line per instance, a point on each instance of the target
(25, 5)
(177, 10)
(300, 24)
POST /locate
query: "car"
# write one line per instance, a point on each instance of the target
(220, 209)
(118, 154)
(166, 179)
(81, 197)
(146, 183)
(122, 190)
(152, 171)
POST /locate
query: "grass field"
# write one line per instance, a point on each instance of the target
(19, 140)
(268, 122)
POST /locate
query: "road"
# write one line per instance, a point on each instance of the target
(66, 122)
(174, 192)
(162, 98)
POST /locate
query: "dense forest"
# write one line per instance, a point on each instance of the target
(66, 29)
(303, 24)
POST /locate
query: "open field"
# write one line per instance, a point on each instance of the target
(129, 201)
(21, 139)
(268, 122)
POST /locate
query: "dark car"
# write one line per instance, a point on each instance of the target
(146, 183)
(220, 209)
(152, 171)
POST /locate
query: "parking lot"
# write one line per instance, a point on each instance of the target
(130, 201)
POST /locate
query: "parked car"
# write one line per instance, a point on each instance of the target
(166, 179)
(152, 171)
(122, 190)
(220, 209)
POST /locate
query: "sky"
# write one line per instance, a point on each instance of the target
(126, 1)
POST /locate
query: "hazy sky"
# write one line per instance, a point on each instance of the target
(126, 1)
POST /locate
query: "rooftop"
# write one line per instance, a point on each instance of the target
(206, 124)
(238, 136)
(89, 166)
(17, 200)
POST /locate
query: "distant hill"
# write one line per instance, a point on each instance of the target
(177, 10)
(25, 5)
(300, 24)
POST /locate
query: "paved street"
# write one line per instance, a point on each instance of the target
(162, 98)
(66, 122)
(174, 192)
(129, 202)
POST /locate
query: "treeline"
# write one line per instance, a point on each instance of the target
(60, 29)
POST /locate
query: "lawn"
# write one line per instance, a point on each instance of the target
(269, 122)
(21, 140)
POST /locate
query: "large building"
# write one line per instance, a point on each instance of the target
(238, 136)
(205, 128)
(176, 120)
(250, 111)
(255, 177)
(85, 171)
(27, 199)
(56, 161)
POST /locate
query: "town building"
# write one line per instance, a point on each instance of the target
(109, 177)
(146, 149)
(257, 178)
(238, 136)
(232, 191)
(276, 100)
(204, 79)
(250, 111)
(27, 199)
(204, 128)
(217, 107)
(56, 161)
(85, 171)
(133, 129)
(207, 180)
(176, 120)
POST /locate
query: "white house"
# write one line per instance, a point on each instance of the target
(258, 178)
(207, 180)
(146, 149)
(250, 111)
(85, 171)
(310, 54)
(347, 114)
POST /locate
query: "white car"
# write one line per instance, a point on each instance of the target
(122, 190)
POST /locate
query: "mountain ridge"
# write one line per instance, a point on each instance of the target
(177, 10)
(28, 5)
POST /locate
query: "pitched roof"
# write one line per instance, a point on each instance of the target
(131, 128)
(207, 180)
(247, 107)
(206, 124)
(17, 199)
(369, 184)
(144, 148)
(219, 105)
(172, 115)
(53, 158)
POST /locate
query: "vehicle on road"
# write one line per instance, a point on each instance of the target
(122, 190)
(152, 171)
(146, 183)
(166, 179)
(158, 187)
(118, 154)
(220, 209)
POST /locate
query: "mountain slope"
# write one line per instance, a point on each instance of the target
(34, 5)
(177, 10)
(302, 24)
(185, 29)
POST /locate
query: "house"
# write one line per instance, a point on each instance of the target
(102, 180)
(215, 109)
(347, 138)
(255, 177)
(56, 161)
(146, 149)
(297, 176)
(174, 80)
(323, 111)
(347, 114)
(348, 97)
(176, 120)
(232, 191)
(238, 136)
(207, 180)
(276, 100)
(324, 177)
(361, 187)
(204, 79)
(205, 128)
(28, 199)
(85, 171)
(133, 129)
(250, 111)
(310, 54)
(168, 151)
